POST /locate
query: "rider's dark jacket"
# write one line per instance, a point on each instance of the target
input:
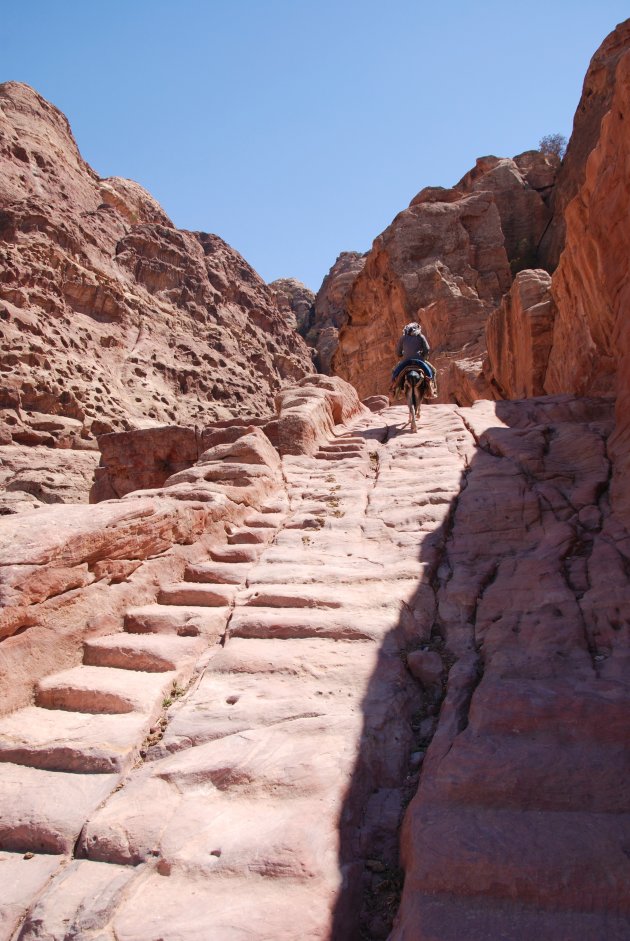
(413, 346)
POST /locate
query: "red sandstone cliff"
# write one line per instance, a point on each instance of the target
(448, 259)
(595, 101)
(110, 316)
(330, 308)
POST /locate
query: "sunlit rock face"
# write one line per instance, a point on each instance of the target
(595, 102)
(448, 260)
(110, 317)
(296, 301)
(330, 308)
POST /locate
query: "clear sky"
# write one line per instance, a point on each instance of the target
(297, 129)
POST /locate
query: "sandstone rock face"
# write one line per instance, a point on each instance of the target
(308, 414)
(447, 259)
(295, 301)
(519, 337)
(330, 312)
(518, 829)
(597, 92)
(110, 317)
(590, 281)
(34, 476)
(440, 614)
(590, 351)
(67, 572)
(149, 457)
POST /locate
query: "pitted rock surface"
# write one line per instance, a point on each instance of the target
(110, 317)
(438, 618)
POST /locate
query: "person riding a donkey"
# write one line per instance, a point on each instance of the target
(413, 349)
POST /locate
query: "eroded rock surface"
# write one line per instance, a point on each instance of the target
(439, 617)
(296, 301)
(34, 476)
(447, 259)
(330, 307)
(594, 104)
(110, 317)
(519, 336)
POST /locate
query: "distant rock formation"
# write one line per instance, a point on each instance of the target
(447, 259)
(296, 301)
(110, 317)
(330, 312)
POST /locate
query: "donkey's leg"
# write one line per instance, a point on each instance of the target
(411, 402)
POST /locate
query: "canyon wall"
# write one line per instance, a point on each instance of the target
(448, 260)
(110, 317)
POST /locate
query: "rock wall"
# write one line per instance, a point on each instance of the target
(146, 458)
(519, 336)
(295, 301)
(597, 91)
(447, 259)
(330, 308)
(570, 334)
(110, 317)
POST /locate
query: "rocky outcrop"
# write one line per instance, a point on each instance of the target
(574, 338)
(595, 102)
(110, 317)
(295, 301)
(330, 310)
(33, 476)
(447, 259)
(147, 458)
(519, 336)
(591, 342)
(308, 414)
(57, 565)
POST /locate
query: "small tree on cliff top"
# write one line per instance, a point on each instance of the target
(553, 144)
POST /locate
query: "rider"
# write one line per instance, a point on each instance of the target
(413, 348)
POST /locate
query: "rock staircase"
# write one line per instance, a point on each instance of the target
(236, 763)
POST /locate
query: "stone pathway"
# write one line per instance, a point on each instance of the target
(236, 764)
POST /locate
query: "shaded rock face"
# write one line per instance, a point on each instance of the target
(295, 301)
(330, 311)
(110, 317)
(448, 260)
(595, 102)
(519, 828)
(519, 337)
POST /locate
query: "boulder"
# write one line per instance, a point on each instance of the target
(308, 413)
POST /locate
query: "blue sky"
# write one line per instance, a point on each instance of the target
(297, 129)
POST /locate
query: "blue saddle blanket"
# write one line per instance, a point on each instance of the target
(405, 363)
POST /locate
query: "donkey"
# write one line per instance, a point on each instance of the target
(415, 386)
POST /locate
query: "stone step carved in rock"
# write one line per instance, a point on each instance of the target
(57, 740)
(98, 689)
(181, 621)
(153, 653)
(223, 573)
